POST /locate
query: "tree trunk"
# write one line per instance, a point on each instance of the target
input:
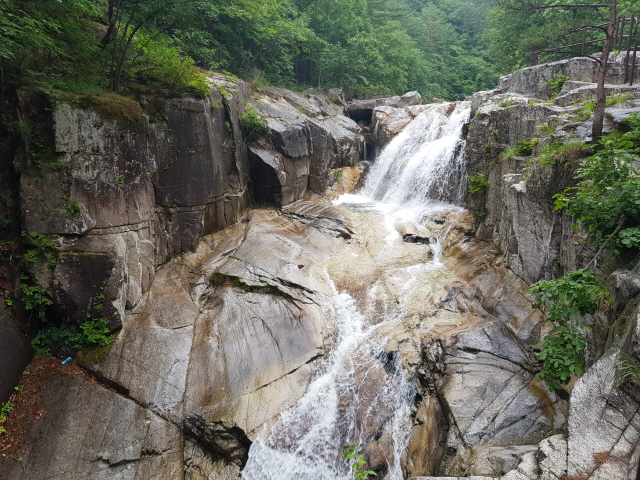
(601, 94)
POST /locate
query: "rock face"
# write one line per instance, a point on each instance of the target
(91, 432)
(123, 201)
(584, 69)
(362, 109)
(308, 137)
(15, 352)
(517, 212)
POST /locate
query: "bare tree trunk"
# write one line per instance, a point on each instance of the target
(601, 94)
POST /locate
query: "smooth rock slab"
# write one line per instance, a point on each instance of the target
(89, 432)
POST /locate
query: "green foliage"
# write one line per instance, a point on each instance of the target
(525, 148)
(337, 174)
(561, 352)
(40, 247)
(627, 369)
(478, 184)
(607, 197)
(5, 223)
(5, 409)
(252, 124)
(547, 129)
(73, 207)
(357, 465)
(618, 99)
(509, 154)
(512, 34)
(35, 298)
(67, 338)
(558, 152)
(95, 332)
(556, 83)
(574, 295)
(508, 103)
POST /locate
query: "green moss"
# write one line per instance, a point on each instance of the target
(224, 280)
(96, 354)
(125, 111)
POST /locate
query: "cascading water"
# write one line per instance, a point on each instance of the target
(425, 161)
(360, 393)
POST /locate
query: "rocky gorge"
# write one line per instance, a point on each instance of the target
(329, 283)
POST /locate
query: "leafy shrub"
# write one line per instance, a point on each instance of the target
(509, 154)
(5, 409)
(337, 174)
(556, 83)
(561, 352)
(576, 294)
(67, 338)
(557, 152)
(73, 207)
(252, 124)
(525, 148)
(357, 467)
(95, 332)
(35, 298)
(64, 338)
(631, 129)
(478, 184)
(606, 201)
(159, 62)
(41, 246)
(547, 129)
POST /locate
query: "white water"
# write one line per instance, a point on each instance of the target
(307, 441)
(424, 162)
(359, 388)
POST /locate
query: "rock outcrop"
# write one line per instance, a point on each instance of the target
(308, 137)
(517, 211)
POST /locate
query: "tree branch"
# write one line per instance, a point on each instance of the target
(529, 7)
(615, 232)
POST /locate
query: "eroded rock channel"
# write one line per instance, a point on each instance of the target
(371, 309)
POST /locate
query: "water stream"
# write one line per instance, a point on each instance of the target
(382, 287)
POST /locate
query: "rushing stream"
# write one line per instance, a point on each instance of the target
(382, 287)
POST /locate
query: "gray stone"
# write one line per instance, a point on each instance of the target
(90, 432)
(278, 179)
(535, 79)
(15, 352)
(362, 109)
(496, 461)
(604, 425)
(624, 285)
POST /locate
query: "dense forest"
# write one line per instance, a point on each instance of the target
(441, 48)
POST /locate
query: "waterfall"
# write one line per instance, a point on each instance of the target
(360, 393)
(306, 442)
(425, 161)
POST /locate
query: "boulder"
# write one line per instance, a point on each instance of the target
(387, 121)
(278, 179)
(362, 109)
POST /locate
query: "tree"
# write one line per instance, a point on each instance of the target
(533, 6)
(126, 18)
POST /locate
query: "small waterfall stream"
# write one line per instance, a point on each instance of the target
(359, 394)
